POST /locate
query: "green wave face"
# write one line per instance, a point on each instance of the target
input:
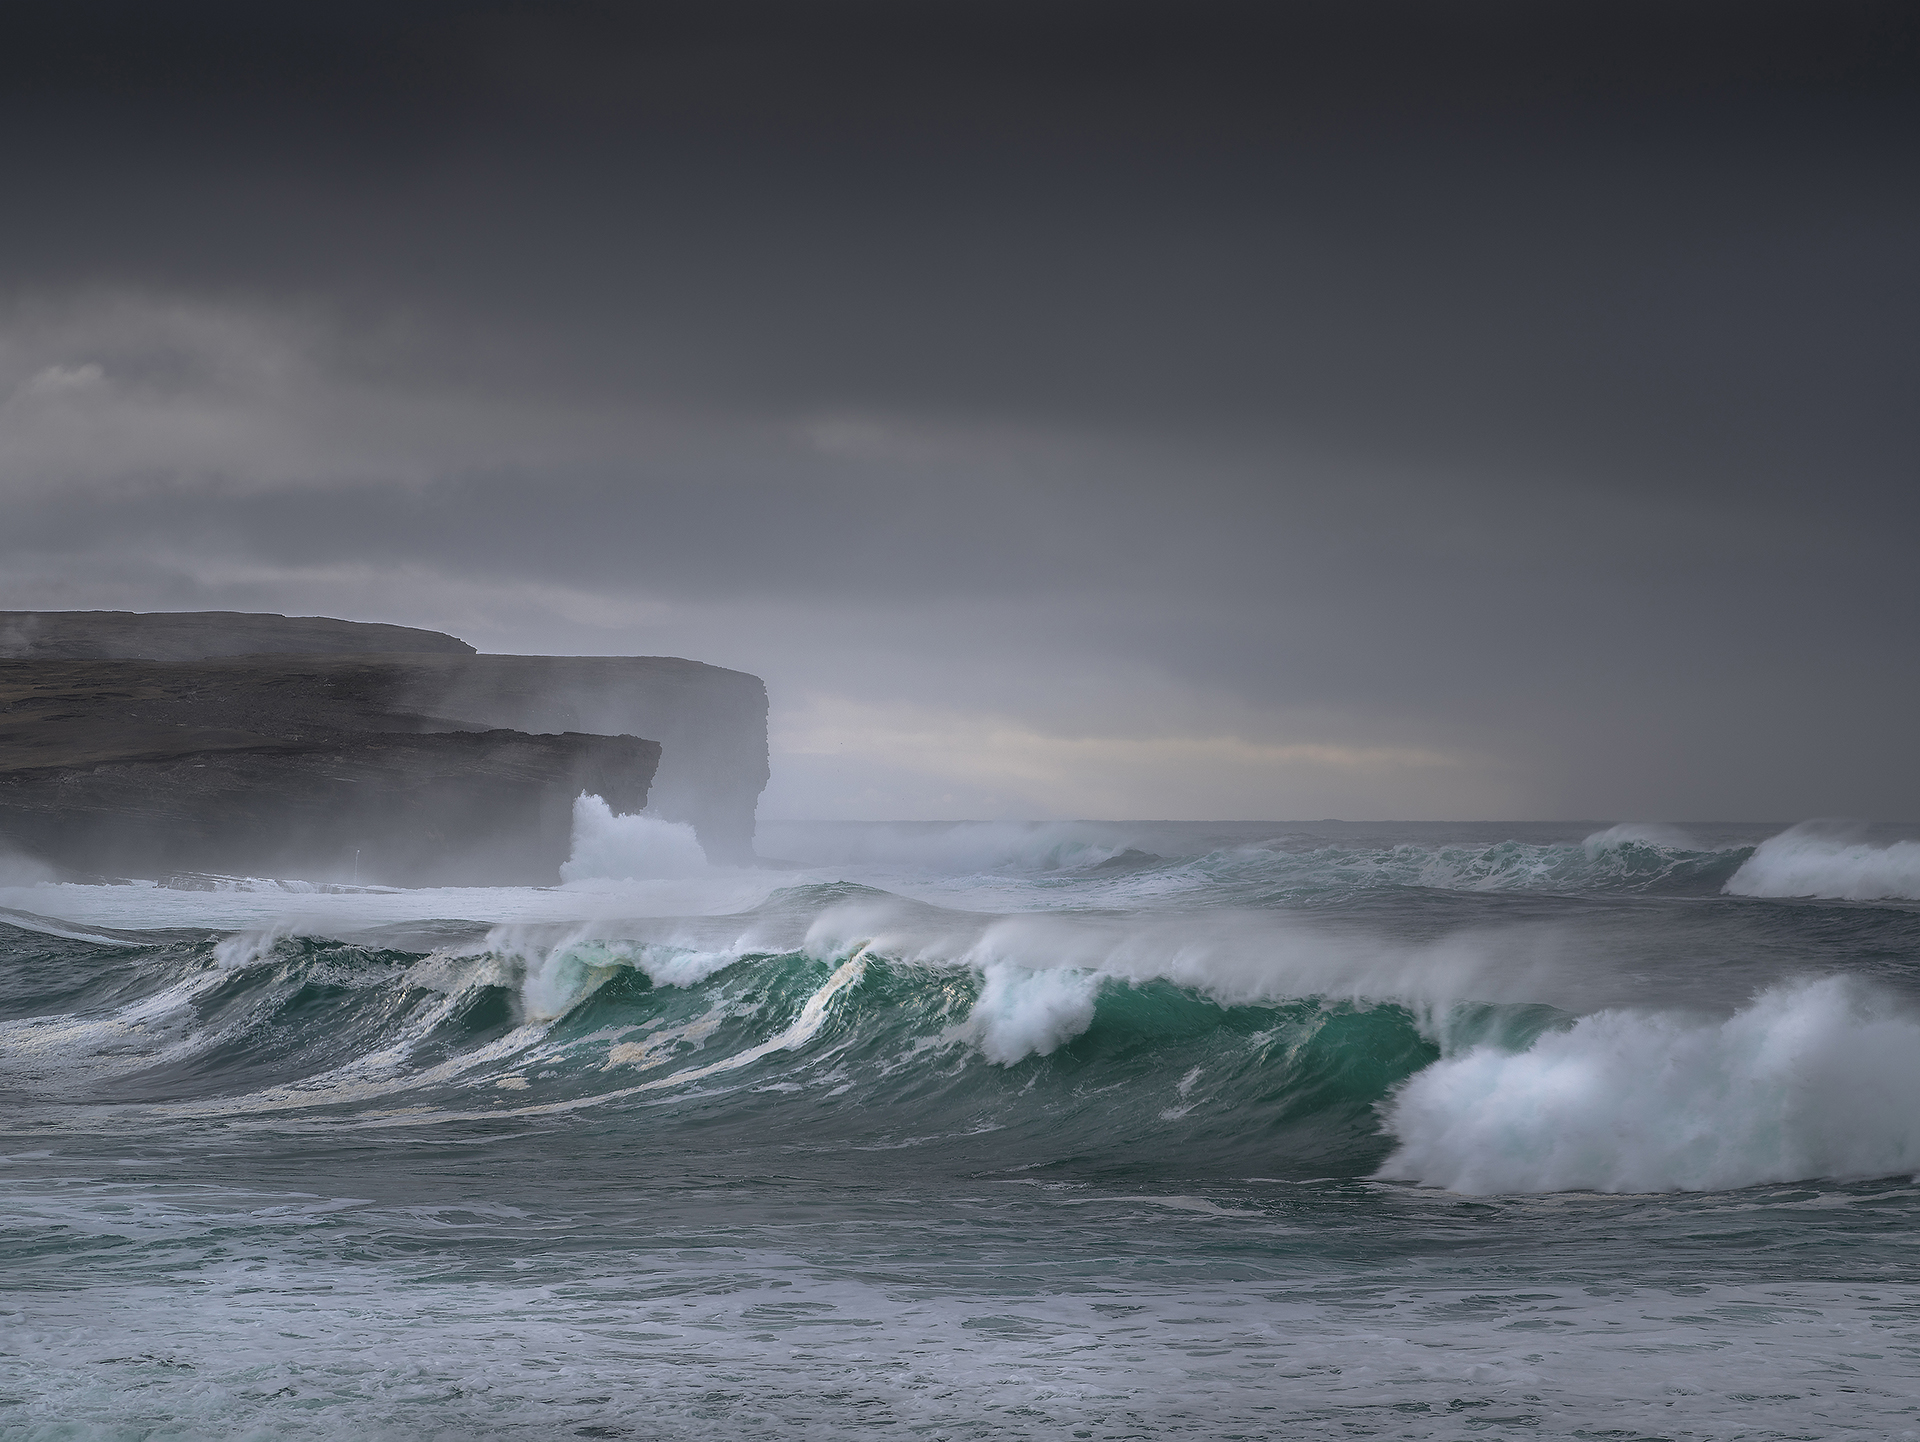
(1159, 1076)
(949, 1065)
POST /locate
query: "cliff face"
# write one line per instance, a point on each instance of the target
(290, 766)
(463, 808)
(711, 724)
(201, 636)
(412, 767)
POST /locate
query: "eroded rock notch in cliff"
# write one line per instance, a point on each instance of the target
(141, 745)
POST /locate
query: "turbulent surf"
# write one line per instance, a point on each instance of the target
(986, 1130)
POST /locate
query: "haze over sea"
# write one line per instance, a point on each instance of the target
(981, 1130)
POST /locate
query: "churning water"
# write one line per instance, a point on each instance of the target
(981, 1131)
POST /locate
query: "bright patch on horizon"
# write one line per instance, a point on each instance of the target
(1085, 774)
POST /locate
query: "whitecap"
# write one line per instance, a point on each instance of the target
(1815, 860)
(1813, 1079)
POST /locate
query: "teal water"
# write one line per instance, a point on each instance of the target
(987, 1131)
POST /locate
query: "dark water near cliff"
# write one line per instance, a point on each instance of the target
(985, 1132)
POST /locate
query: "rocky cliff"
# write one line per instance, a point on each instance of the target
(711, 724)
(201, 636)
(140, 745)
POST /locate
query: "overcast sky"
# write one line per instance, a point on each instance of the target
(1374, 410)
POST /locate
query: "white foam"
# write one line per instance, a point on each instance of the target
(1814, 861)
(720, 891)
(803, 1029)
(159, 1029)
(253, 1326)
(1640, 833)
(1023, 1013)
(1814, 1079)
(389, 1069)
(557, 975)
(611, 847)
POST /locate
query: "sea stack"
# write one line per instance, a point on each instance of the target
(156, 745)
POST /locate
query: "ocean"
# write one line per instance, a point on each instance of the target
(985, 1130)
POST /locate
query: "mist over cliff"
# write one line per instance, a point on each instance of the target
(146, 745)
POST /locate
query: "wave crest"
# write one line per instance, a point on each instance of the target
(1818, 1079)
(1812, 860)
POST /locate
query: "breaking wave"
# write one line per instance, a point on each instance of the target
(837, 1017)
(1817, 1079)
(998, 1066)
(1814, 861)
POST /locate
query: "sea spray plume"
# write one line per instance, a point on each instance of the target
(1814, 1079)
(1641, 833)
(1825, 860)
(251, 947)
(18, 870)
(608, 846)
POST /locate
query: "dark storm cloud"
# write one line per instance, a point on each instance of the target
(1521, 380)
(1656, 232)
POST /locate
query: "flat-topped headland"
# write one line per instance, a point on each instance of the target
(148, 745)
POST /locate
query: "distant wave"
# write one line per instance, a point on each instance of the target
(953, 847)
(1625, 858)
(1813, 861)
(1633, 856)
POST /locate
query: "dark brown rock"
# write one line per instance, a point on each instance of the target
(422, 766)
(711, 724)
(457, 808)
